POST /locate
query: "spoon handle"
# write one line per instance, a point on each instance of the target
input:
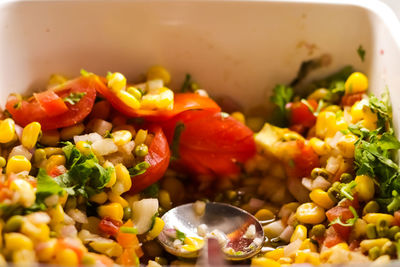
(211, 255)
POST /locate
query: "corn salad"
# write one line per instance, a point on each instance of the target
(322, 180)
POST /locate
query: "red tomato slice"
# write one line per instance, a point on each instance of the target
(332, 238)
(51, 103)
(29, 110)
(109, 226)
(182, 102)
(303, 162)
(158, 158)
(349, 100)
(211, 143)
(300, 113)
(344, 214)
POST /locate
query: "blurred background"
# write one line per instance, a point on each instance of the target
(395, 5)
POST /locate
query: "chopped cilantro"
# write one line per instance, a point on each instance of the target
(74, 98)
(46, 186)
(108, 135)
(85, 73)
(139, 168)
(179, 128)
(361, 53)
(349, 222)
(180, 235)
(153, 220)
(188, 84)
(346, 190)
(281, 96)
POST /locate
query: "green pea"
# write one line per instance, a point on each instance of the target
(2, 162)
(334, 194)
(39, 156)
(88, 260)
(371, 207)
(371, 231)
(389, 248)
(14, 224)
(318, 230)
(382, 228)
(393, 231)
(141, 150)
(374, 253)
(127, 213)
(397, 237)
(319, 172)
(346, 178)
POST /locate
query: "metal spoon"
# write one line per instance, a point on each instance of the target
(232, 221)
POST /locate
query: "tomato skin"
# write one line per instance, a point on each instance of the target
(30, 110)
(351, 99)
(332, 238)
(51, 103)
(182, 102)
(211, 144)
(109, 226)
(158, 158)
(344, 214)
(300, 113)
(397, 218)
(303, 162)
(57, 171)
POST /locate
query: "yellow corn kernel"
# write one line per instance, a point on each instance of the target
(275, 254)
(99, 198)
(107, 247)
(313, 258)
(50, 151)
(319, 146)
(163, 98)
(39, 232)
(54, 161)
(39, 157)
(264, 262)
(285, 260)
(118, 199)
(17, 241)
(116, 81)
(126, 127)
(365, 187)
(158, 72)
(140, 137)
(157, 229)
(307, 244)
(191, 243)
(121, 137)
(62, 199)
(47, 251)
(326, 124)
(50, 138)
(30, 135)
(57, 215)
(128, 99)
(370, 120)
(321, 198)
(67, 257)
(56, 79)
(18, 164)
(68, 133)
(356, 111)
(346, 145)
(375, 217)
(239, 116)
(23, 257)
(84, 147)
(310, 213)
(264, 215)
(113, 177)
(112, 210)
(367, 244)
(300, 232)
(318, 94)
(7, 131)
(356, 83)
(3, 262)
(25, 191)
(360, 111)
(164, 199)
(123, 182)
(300, 257)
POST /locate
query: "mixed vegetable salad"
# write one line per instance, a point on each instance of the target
(89, 166)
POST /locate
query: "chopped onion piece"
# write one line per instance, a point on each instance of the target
(143, 212)
(104, 147)
(320, 183)
(292, 248)
(287, 233)
(91, 138)
(199, 207)
(307, 183)
(78, 215)
(20, 151)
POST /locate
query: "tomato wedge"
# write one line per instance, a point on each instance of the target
(158, 158)
(211, 143)
(344, 214)
(52, 104)
(182, 102)
(300, 113)
(27, 111)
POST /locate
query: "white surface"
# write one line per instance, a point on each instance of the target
(394, 4)
(238, 48)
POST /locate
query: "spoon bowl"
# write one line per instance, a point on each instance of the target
(239, 233)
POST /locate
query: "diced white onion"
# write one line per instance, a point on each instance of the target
(20, 151)
(154, 85)
(39, 217)
(292, 248)
(69, 231)
(199, 207)
(100, 126)
(51, 200)
(202, 230)
(256, 203)
(307, 183)
(320, 183)
(287, 233)
(78, 215)
(250, 232)
(104, 147)
(91, 138)
(143, 212)
(274, 229)
(333, 163)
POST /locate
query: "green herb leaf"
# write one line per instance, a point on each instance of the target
(361, 53)
(139, 168)
(179, 128)
(85, 73)
(347, 190)
(46, 186)
(281, 96)
(188, 84)
(74, 98)
(108, 135)
(349, 222)
(128, 230)
(180, 235)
